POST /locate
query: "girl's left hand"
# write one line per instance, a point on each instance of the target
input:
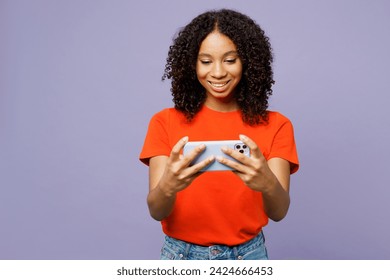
(271, 178)
(254, 170)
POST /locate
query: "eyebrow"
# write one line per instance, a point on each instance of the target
(225, 54)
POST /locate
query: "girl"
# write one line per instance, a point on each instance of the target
(220, 68)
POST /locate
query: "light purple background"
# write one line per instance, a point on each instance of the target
(79, 81)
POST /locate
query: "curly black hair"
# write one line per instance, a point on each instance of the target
(254, 50)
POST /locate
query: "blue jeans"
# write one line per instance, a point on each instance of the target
(254, 249)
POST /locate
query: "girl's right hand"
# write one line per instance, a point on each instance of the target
(169, 175)
(178, 173)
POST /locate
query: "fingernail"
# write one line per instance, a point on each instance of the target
(185, 139)
(243, 137)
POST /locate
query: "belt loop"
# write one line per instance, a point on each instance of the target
(187, 249)
(235, 252)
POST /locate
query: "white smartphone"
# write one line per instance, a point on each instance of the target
(214, 148)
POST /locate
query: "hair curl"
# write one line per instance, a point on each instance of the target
(254, 50)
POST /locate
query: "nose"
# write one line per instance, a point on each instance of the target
(218, 71)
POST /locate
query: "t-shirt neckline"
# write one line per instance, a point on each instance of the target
(219, 113)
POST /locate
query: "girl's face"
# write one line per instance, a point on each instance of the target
(219, 70)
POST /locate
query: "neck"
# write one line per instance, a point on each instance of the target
(221, 106)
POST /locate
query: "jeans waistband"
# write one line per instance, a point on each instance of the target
(238, 250)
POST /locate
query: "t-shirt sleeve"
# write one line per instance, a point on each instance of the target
(156, 141)
(284, 146)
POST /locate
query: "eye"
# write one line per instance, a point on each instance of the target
(231, 60)
(205, 62)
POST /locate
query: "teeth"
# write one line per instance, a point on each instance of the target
(217, 85)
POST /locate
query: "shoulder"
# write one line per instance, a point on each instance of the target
(167, 114)
(276, 118)
(164, 112)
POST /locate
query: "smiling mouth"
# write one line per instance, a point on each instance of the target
(218, 85)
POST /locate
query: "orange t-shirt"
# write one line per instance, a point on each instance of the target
(217, 208)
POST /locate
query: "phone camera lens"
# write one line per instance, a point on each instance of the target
(244, 146)
(238, 146)
(241, 151)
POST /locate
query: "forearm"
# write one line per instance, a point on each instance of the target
(276, 201)
(160, 203)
